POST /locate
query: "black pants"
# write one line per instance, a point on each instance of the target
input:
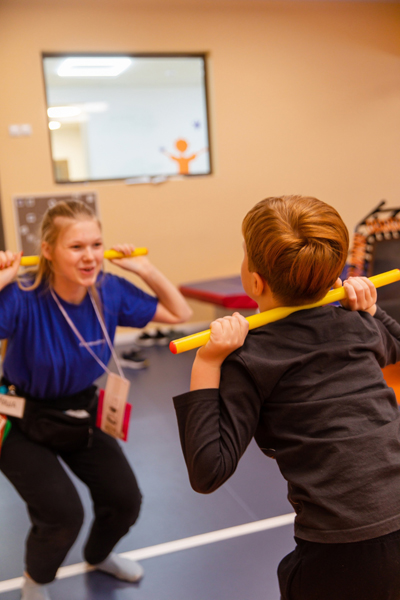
(368, 570)
(53, 503)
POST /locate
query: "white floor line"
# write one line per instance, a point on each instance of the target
(168, 547)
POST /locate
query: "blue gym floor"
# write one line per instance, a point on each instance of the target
(239, 568)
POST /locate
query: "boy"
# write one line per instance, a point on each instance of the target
(310, 389)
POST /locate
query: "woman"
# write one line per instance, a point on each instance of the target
(59, 321)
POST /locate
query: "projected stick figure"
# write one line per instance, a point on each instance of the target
(183, 161)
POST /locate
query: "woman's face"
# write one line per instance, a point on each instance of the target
(77, 256)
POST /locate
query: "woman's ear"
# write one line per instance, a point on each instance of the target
(46, 251)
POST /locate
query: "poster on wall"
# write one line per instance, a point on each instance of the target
(29, 212)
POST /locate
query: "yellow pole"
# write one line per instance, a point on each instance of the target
(28, 261)
(200, 339)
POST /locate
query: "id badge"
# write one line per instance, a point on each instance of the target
(12, 406)
(114, 404)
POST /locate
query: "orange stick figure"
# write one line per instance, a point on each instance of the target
(183, 161)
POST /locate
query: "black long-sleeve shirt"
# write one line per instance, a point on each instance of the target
(310, 389)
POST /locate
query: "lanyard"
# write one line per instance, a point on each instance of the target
(83, 342)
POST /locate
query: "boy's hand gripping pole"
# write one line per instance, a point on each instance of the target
(29, 261)
(269, 316)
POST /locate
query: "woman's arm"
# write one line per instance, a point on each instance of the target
(172, 307)
(9, 265)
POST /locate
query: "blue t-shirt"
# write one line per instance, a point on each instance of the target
(44, 357)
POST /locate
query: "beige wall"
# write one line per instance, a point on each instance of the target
(305, 98)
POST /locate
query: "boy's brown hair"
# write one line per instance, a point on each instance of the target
(298, 244)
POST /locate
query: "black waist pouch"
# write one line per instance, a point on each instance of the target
(66, 428)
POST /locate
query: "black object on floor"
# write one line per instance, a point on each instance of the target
(133, 359)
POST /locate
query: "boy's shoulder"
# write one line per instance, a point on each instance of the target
(294, 349)
(305, 330)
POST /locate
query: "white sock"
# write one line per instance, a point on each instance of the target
(34, 591)
(121, 568)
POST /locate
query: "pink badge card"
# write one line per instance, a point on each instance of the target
(113, 414)
(3, 423)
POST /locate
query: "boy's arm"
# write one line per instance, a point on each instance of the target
(360, 294)
(227, 334)
(216, 419)
(390, 335)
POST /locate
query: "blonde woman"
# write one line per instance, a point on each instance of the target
(57, 321)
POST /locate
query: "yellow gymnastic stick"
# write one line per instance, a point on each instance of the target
(29, 261)
(269, 316)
